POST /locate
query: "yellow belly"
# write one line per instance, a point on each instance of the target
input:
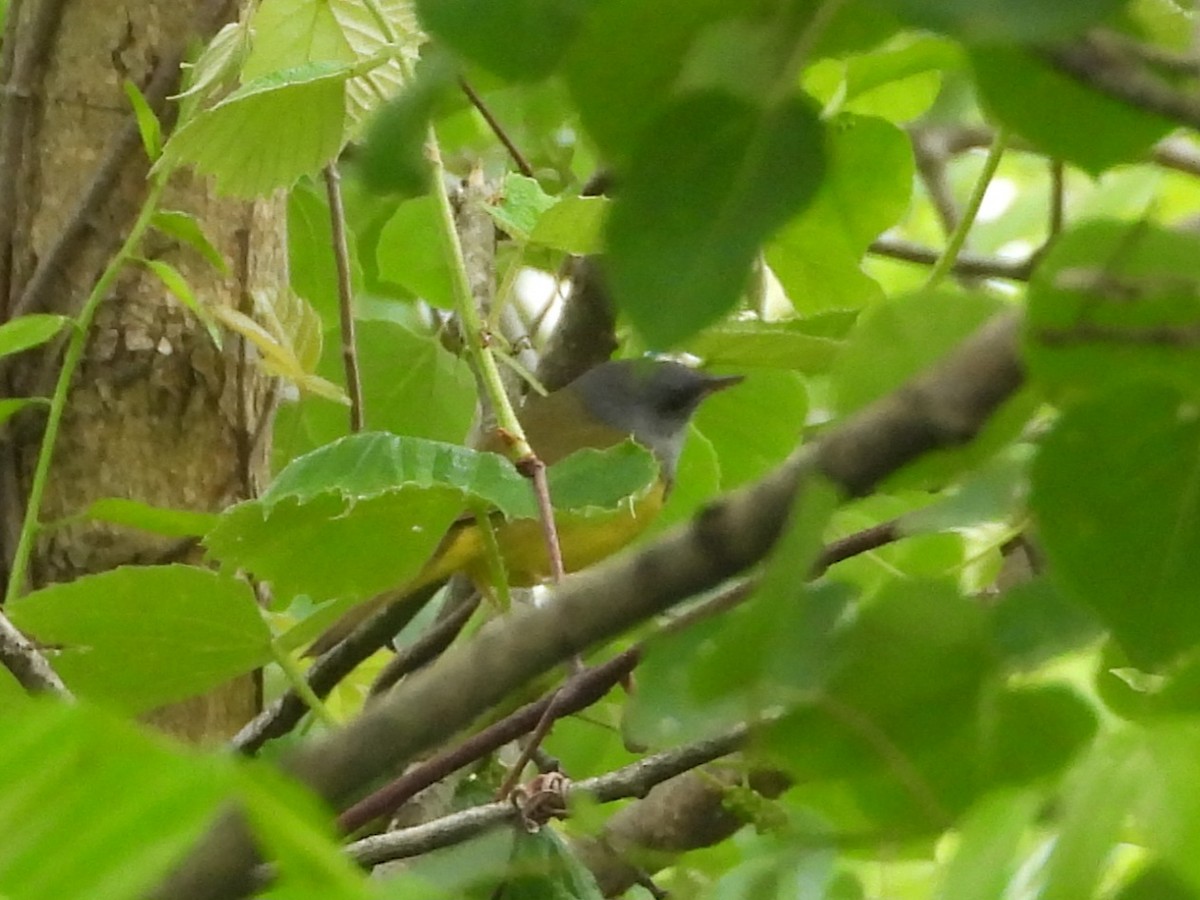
(585, 539)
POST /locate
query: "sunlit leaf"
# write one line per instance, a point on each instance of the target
(141, 636)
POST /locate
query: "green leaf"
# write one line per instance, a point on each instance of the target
(773, 650)
(311, 263)
(989, 838)
(1098, 797)
(772, 345)
(1033, 731)
(483, 31)
(218, 65)
(543, 868)
(25, 332)
(754, 427)
(1016, 21)
(601, 479)
(288, 337)
(174, 282)
(393, 157)
(178, 523)
(624, 64)
(1034, 622)
(573, 225)
(137, 637)
(897, 82)
(291, 33)
(268, 133)
(432, 395)
(788, 626)
(910, 667)
(61, 769)
(184, 227)
(359, 515)
(1118, 507)
(1156, 882)
(1029, 96)
(521, 205)
(737, 56)
(12, 406)
(1169, 806)
(410, 252)
(1115, 302)
(148, 125)
(366, 512)
(631, 60)
(295, 829)
(897, 339)
(995, 492)
(716, 179)
(866, 187)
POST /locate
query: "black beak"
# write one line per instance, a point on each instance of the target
(714, 383)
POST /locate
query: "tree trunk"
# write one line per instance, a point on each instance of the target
(157, 412)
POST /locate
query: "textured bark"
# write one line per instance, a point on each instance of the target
(157, 413)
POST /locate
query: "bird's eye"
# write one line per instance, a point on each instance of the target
(677, 401)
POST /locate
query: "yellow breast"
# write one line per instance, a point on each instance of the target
(585, 539)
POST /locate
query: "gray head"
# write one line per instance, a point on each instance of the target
(652, 400)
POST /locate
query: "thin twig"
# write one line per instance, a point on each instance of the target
(634, 780)
(966, 264)
(478, 346)
(427, 646)
(1057, 198)
(930, 153)
(580, 691)
(855, 544)
(493, 123)
(958, 237)
(555, 710)
(1177, 153)
(341, 254)
(894, 757)
(1182, 336)
(327, 672)
(541, 489)
(1102, 67)
(27, 664)
(299, 683)
(1151, 54)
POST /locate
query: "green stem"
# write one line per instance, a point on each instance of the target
(58, 403)
(495, 559)
(295, 678)
(468, 313)
(959, 237)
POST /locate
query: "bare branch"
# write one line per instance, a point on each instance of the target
(580, 692)
(341, 255)
(1099, 62)
(493, 123)
(285, 713)
(634, 780)
(28, 666)
(967, 264)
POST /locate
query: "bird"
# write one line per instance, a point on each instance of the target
(650, 401)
